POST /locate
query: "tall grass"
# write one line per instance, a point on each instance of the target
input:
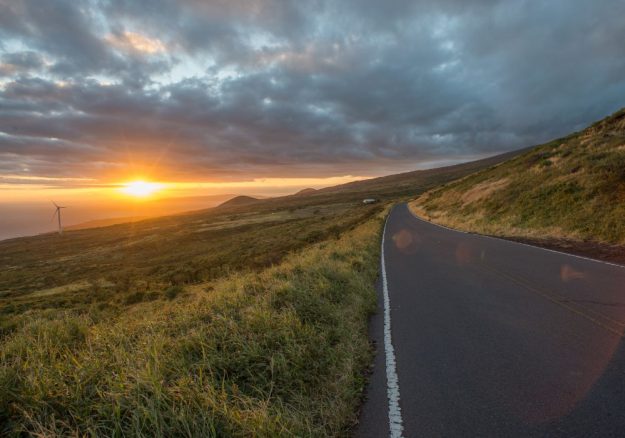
(279, 352)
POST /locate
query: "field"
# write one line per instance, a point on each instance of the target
(569, 191)
(230, 321)
(147, 260)
(196, 339)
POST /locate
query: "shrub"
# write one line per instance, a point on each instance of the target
(173, 291)
(134, 298)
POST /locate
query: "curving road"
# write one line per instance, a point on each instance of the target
(494, 338)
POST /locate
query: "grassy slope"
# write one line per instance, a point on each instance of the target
(273, 352)
(572, 188)
(230, 321)
(153, 255)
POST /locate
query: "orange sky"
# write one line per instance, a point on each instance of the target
(43, 189)
(26, 203)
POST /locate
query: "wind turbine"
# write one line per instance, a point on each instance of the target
(57, 213)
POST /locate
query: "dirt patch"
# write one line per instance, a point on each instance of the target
(590, 249)
(555, 160)
(593, 250)
(483, 190)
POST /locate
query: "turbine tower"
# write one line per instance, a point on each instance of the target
(57, 213)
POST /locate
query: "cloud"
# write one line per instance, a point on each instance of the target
(19, 62)
(133, 41)
(258, 88)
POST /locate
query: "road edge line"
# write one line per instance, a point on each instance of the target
(515, 242)
(392, 380)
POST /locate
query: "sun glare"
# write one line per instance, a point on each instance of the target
(141, 189)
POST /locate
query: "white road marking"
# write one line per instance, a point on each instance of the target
(515, 242)
(396, 423)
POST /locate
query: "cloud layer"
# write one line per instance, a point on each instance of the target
(235, 89)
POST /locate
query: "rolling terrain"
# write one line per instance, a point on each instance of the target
(99, 223)
(568, 193)
(226, 321)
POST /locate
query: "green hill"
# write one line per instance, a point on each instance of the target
(570, 189)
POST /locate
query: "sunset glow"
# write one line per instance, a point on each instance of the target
(141, 189)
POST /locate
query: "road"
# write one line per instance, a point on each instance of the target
(494, 338)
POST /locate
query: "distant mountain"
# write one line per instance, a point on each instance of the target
(239, 201)
(572, 188)
(305, 192)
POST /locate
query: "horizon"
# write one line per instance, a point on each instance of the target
(25, 216)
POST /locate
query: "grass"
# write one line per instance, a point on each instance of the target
(87, 267)
(277, 352)
(571, 188)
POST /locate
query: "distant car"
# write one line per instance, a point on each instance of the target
(369, 201)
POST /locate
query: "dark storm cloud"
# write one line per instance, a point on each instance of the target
(238, 88)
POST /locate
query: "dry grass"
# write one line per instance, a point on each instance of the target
(278, 352)
(483, 190)
(572, 188)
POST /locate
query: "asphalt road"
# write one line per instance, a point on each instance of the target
(495, 338)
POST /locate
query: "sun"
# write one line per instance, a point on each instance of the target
(141, 189)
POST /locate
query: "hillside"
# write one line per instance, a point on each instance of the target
(567, 191)
(177, 206)
(97, 223)
(410, 183)
(239, 201)
(305, 192)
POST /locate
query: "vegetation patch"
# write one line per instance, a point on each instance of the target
(276, 352)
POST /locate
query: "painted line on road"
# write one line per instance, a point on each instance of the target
(515, 242)
(395, 421)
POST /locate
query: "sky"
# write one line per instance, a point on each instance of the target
(268, 94)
